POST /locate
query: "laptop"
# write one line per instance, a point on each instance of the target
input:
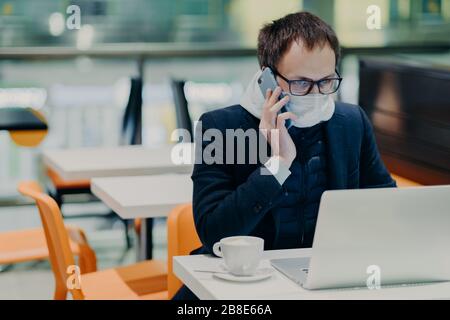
(400, 235)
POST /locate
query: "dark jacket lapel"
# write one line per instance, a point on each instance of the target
(336, 146)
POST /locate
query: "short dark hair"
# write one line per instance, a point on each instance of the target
(276, 37)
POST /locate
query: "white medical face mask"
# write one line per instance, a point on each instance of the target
(311, 109)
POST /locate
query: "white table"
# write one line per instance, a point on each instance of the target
(279, 287)
(143, 197)
(88, 163)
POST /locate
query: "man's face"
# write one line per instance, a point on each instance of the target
(299, 63)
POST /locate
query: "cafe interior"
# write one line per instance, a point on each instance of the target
(91, 92)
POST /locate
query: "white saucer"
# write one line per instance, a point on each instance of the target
(260, 274)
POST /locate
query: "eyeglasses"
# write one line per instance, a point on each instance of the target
(304, 86)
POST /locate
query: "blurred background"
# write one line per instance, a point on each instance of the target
(79, 79)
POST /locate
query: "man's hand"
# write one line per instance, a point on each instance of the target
(281, 144)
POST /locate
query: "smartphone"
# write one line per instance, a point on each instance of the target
(267, 81)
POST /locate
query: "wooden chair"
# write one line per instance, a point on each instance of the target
(145, 280)
(182, 239)
(29, 245)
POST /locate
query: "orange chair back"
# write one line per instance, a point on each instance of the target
(403, 182)
(61, 256)
(182, 239)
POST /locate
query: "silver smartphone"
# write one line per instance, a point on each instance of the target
(267, 81)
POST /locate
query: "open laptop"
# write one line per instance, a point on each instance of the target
(402, 234)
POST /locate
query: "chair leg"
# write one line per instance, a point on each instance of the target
(60, 292)
(126, 224)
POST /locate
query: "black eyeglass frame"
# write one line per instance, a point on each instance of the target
(312, 83)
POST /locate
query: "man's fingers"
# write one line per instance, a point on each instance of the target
(275, 95)
(267, 105)
(271, 97)
(272, 106)
(280, 104)
(282, 117)
(287, 115)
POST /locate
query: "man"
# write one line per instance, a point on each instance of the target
(329, 146)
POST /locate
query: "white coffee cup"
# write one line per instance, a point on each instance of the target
(241, 254)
